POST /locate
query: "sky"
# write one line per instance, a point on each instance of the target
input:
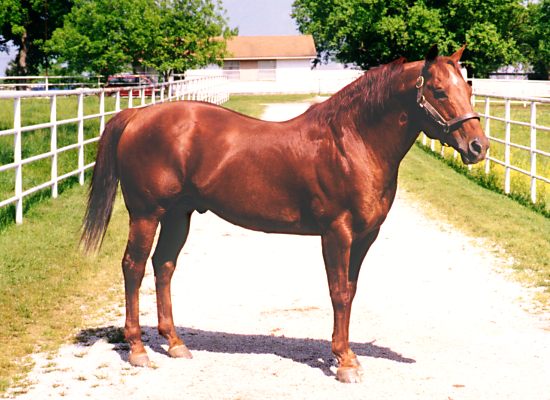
(252, 17)
(261, 17)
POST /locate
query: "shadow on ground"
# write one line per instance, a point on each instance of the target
(314, 353)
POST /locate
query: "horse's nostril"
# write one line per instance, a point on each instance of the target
(475, 147)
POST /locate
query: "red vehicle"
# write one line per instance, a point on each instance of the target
(127, 81)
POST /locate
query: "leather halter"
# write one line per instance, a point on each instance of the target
(447, 126)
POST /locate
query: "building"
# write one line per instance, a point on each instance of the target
(276, 64)
(268, 58)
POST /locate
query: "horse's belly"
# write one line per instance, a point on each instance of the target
(258, 216)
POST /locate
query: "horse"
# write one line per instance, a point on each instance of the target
(331, 172)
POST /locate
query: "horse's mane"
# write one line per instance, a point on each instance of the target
(366, 97)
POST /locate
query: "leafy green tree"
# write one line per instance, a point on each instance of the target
(372, 32)
(490, 28)
(535, 43)
(106, 37)
(27, 24)
(189, 39)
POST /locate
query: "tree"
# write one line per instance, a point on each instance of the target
(188, 39)
(28, 24)
(534, 41)
(106, 37)
(372, 32)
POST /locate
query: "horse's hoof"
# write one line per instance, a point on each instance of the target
(349, 374)
(180, 351)
(139, 360)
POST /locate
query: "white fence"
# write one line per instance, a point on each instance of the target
(283, 80)
(47, 82)
(211, 89)
(511, 87)
(529, 160)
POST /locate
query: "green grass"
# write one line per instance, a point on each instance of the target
(45, 281)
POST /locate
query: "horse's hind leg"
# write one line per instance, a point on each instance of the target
(173, 234)
(140, 240)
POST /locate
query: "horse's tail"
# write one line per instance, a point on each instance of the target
(102, 193)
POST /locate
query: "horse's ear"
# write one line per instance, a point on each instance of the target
(458, 54)
(432, 53)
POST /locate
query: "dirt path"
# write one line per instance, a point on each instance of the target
(432, 320)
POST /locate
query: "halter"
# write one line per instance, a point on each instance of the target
(447, 126)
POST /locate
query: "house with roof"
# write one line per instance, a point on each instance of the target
(268, 58)
(276, 64)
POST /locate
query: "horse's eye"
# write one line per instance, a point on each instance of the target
(440, 94)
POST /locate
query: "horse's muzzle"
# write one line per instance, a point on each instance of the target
(477, 150)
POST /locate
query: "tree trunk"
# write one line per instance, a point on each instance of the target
(22, 56)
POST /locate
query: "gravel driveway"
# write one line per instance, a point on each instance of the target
(433, 319)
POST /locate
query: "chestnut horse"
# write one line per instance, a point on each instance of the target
(331, 171)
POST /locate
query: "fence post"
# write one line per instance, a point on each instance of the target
(80, 117)
(53, 144)
(130, 98)
(101, 112)
(533, 146)
(117, 101)
(507, 146)
(17, 160)
(487, 132)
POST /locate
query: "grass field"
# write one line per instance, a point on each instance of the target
(48, 290)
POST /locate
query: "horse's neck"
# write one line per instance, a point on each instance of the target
(390, 136)
(388, 139)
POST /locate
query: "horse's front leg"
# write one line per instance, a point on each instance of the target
(343, 257)
(337, 242)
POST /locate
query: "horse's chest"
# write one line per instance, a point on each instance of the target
(370, 206)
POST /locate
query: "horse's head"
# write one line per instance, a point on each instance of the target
(447, 115)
